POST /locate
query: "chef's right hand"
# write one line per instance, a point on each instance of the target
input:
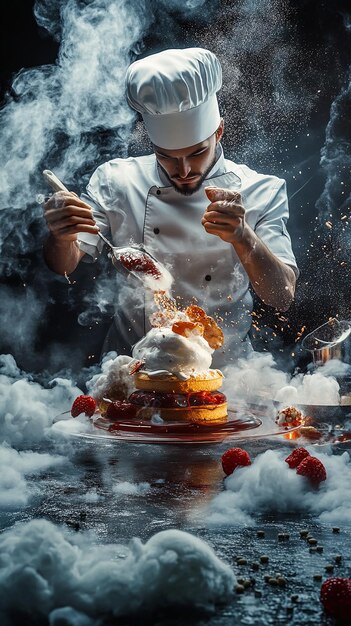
(66, 216)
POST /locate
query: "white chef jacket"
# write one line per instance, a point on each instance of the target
(133, 202)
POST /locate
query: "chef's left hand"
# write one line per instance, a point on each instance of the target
(225, 216)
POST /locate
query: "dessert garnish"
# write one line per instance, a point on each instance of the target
(212, 332)
(313, 469)
(294, 459)
(344, 437)
(186, 328)
(233, 458)
(290, 417)
(336, 597)
(83, 404)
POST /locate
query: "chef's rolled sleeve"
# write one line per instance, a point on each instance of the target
(92, 245)
(271, 227)
(98, 196)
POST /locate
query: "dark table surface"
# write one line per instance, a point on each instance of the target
(88, 493)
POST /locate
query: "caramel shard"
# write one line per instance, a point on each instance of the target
(186, 328)
(195, 313)
(212, 332)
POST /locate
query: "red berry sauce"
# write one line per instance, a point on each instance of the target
(156, 399)
(121, 410)
(139, 262)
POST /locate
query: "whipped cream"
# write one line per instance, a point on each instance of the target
(163, 349)
(114, 379)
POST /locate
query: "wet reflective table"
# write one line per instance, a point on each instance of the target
(120, 491)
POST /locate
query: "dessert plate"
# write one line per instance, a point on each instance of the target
(241, 425)
(323, 424)
(332, 423)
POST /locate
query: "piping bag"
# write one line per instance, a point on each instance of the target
(133, 259)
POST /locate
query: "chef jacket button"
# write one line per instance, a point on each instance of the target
(156, 231)
(208, 277)
(158, 191)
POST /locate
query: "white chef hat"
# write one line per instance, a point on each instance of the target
(175, 91)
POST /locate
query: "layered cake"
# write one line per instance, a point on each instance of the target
(169, 376)
(172, 369)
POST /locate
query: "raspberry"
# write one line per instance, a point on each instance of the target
(233, 458)
(294, 459)
(83, 404)
(120, 409)
(336, 597)
(313, 469)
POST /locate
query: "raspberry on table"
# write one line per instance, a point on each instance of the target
(335, 596)
(313, 469)
(233, 458)
(294, 459)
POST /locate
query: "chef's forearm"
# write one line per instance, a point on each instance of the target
(62, 257)
(272, 280)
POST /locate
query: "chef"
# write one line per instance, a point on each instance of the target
(218, 226)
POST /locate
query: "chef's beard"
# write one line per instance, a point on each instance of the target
(189, 192)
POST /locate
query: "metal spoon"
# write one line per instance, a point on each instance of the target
(133, 259)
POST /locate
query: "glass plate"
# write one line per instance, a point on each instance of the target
(323, 424)
(331, 423)
(241, 425)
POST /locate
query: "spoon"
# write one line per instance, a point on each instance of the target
(132, 259)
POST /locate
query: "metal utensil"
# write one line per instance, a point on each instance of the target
(332, 340)
(134, 259)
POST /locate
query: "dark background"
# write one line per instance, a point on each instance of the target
(318, 66)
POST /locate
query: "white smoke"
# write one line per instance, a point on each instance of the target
(314, 388)
(130, 489)
(115, 373)
(271, 85)
(20, 317)
(257, 378)
(45, 572)
(253, 377)
(186, 7)
(15, 490)
(83, 91)
(335, 160)
(91, 496)
(27, 409)
(270, 486)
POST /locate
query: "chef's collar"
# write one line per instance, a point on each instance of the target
(217, 169)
